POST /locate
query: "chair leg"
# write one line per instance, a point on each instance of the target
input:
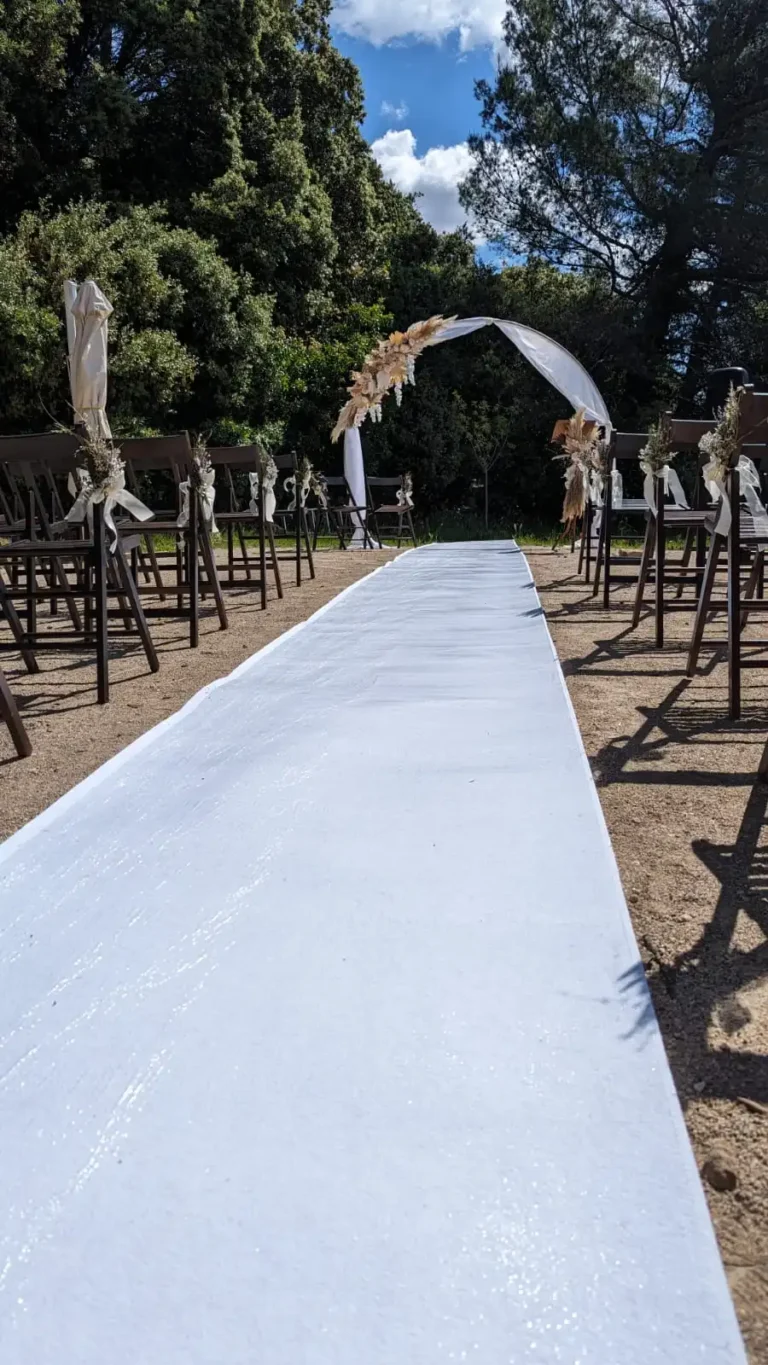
(156, 574)
(193, 574)
(645, 568)
(9, 712)
(262, 553)
(734, 599)
(305, 529)
(690, 540)
(752, 584)
(132, 594)
(213, 578)
(114, 585)
(705, 596)
(100, 590)
(8, 610)
(274, 558)
(600, 555)
(74, 614)
(661, 562)
(244, 552)
(607, 555)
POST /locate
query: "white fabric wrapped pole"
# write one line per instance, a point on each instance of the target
(354, 473)
(90, 312)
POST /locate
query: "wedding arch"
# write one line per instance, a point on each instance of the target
(391, 365)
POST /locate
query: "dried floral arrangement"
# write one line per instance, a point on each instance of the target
(201, 472)
(99, 464)
(389, 366)
(100, 478)
(721, 446)
(405, 493)
(318, 487)
(657, 451)
(579, 441)
(202, 477)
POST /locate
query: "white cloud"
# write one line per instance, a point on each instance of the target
(396, 111)
(478, 22)
(436, 175)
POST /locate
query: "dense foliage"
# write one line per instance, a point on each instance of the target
(203, 160)
(629, 139)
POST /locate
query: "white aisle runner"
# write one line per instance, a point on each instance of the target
(323, 1036)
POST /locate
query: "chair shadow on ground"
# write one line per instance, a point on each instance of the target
(703, 983)
(712, 979)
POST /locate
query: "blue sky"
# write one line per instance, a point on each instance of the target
(419, 60)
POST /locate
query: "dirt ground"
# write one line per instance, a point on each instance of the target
(687, 815)
(689, 824)
(71, 734)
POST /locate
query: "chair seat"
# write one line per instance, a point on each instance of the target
(630, 505)
(45, 548)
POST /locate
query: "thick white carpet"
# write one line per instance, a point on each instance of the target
(323, 1036)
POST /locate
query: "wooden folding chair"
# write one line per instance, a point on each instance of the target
(387, 518)
(291, 522)
(73, 563)
(156, 466)
(745, 544)
(238, 473)
(348, 516)
(623, 450)
(664, 520)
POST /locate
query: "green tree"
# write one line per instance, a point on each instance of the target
(190, 342)
(629, 139)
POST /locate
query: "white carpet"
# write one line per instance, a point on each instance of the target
(323, 1035)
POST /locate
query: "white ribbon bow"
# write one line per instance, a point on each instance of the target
(207, 495)
(672, 485)
(595, 488)
(290, 483)
(113, 493)
(270, 501)
(749, 482)
(404, 499)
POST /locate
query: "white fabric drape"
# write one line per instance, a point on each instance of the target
(564, 372)
(354, 473)
(88, 314)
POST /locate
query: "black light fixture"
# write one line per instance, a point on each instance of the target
(719, 385)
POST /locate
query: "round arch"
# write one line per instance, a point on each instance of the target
(392, 364)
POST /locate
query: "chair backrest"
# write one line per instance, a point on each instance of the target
(236, 463)
(236, 457)
(287, 461)
(155, 466)
(38, 464)
(626, 445)
(337, 490)
(151, 453)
